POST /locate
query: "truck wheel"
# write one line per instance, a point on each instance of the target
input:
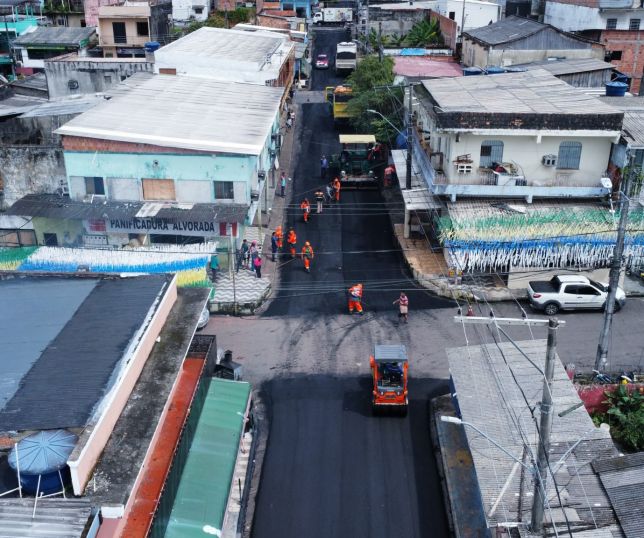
(551, 309)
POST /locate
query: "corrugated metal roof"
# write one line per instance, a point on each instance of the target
(63, 108)
(55, 35)
(569, 66)
(185, 112)
(506, 30)
(58, 207)
(633, 128)
(75, 367)
(530, 92)
(623, 478)
(491, 383)
(206, 479)
(55, 518)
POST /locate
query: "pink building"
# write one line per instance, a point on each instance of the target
(91, 9)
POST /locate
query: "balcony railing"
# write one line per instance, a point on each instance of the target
(483, 182)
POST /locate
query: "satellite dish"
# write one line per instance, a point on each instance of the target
(606, 183)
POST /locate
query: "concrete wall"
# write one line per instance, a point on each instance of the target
(91, 9)
(572, 18)
(449, 29)
(69, 233)
(132, 38)
(527, 153)
(92, 76)
(30, 170)
(395, 22)
(476, 15)
(631, 45)
(183, 10)
(93, 440)
(475, 54)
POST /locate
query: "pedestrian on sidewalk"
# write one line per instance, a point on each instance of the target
(324, 166)
(214, 266)
(274, 245)
(319, 198)
(291, 239)
(305, 206)
(403, 305)
(307, 256)
(254, 253)
(289, 122)
(283, 184)
(242, 258)
(258, 266)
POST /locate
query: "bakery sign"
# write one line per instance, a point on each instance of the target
(152, 225)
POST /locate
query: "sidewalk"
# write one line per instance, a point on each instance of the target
(245, 293)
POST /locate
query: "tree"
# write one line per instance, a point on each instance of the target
(369, 82)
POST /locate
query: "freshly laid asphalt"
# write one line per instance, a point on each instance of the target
(331, 468)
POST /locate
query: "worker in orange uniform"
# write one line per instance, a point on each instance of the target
(336, 188)
(280, 237)
(355, 299)
(307, 256)
(291, 239)
(305, 206)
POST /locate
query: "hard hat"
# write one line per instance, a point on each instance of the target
(307, 244)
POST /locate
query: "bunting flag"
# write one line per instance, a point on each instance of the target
(550, 237)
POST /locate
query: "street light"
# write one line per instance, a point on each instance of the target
(372, 111)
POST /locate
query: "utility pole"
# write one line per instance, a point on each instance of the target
(380, 41)
(409, 139)
(615, 268)
(545, 425)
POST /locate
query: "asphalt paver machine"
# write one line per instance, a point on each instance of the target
(389, 366)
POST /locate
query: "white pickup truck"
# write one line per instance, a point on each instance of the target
(570, 292)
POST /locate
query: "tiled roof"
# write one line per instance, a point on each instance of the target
(506, 30)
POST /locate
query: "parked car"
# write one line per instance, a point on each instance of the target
(204, 317)
(322, 61)
(570, 292)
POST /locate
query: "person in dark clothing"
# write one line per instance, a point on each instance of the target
(324, 166)
(274, 245)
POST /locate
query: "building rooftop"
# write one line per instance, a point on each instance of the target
(569, 66)
(124, 11)
(492, 383)
(56, 207)
(633, 126)
(64, 338)
(405, 6)
(56, 35)
(542, 101)
(425, 67)
(221, 48)
(508, 30)
(184, 112)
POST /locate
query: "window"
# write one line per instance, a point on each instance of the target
(587, 290)
(142, 29)
(491, 152)
(198, 10)
(452, 15)
(224, 190)
(615, 55)
(569, 156)
(158, 189)
(94, 185)
(16, 237)
(51, 240)
(611, 24)
(119, 33)
(634, 24)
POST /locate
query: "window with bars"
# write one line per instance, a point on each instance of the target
(611, 24)
(491, 152)
(634, 24)
(569, 156)
(224, 190)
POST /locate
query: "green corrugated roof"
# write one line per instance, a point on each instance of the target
(205, 482)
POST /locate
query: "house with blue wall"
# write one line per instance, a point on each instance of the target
(172, 159)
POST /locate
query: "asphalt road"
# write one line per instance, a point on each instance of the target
(331, 469)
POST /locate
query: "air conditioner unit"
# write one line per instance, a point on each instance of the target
(549, 160)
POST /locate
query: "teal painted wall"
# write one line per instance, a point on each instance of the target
(170, 166)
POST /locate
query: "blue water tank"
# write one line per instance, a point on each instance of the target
(41, 456)
(616, 89)
(493, 70)
(619, 77)
(471, 71)
(151, 46)
(515, 69)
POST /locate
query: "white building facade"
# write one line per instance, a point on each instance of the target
(186, 11)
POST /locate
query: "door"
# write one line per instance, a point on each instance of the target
(118, 29)
(589, 297)
(569, 296)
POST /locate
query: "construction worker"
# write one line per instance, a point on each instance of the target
(336, 188)
(319, 198)
(355, 298)
(305, 206)
(291, 239)
(280, 237)
(390, 174)
(307, 256)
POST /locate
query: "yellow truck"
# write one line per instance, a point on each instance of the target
(339, 97)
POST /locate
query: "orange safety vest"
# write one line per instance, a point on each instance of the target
(278, 232)
(355, 292)
(292, 238)
(308, 252)
(336, 184)
(305, 206)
